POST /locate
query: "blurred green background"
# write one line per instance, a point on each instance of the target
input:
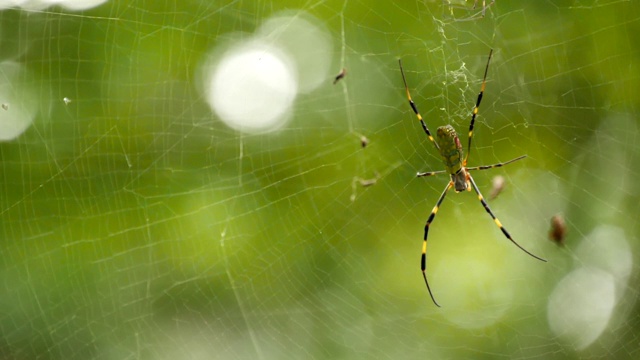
(136, 225)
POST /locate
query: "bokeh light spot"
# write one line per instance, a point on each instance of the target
(607, 248)
(581, 305)
(43, 4)
(18, 105)
(306, 41)
(253, 87)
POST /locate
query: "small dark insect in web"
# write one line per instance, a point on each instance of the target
(558, 229)
(364, 141)
(340, 75)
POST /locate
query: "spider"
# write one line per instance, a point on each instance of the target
(448, 145)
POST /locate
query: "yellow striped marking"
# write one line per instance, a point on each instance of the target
(424, 247)
(498, 222)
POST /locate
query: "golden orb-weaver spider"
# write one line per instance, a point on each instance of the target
(448, 145)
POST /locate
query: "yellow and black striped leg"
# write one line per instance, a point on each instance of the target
(415, 108)
(495, 219)
(475, 108)
(423, 259)
(430, 173)
(485, 167)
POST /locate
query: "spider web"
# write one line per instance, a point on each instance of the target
(136, 224)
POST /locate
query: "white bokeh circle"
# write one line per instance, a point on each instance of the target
(252, 87)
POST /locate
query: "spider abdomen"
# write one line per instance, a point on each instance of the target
(450, 148)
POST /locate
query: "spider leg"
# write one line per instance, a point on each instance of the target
(415, 108)
(475, 108)
(485, 167)
(423, 259)
(495, 219)
(431, 173)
